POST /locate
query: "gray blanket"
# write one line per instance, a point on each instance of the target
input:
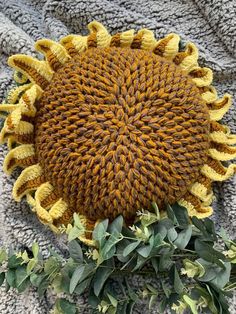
(210, 24)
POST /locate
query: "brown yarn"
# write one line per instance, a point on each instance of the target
(118, 128)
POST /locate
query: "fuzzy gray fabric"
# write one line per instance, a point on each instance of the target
(210, 24)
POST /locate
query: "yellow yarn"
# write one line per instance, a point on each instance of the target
(27, 174)
(210, 96)
(223, 138)
(205, 80)
(206, 211)
(200, 191)
(213, 175)
(148, 39)
(126, 38)
(190, 61)
(40, 66)
(19, 152)
(103, 37)
(217, 114)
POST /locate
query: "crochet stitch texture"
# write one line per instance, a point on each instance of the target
(109, 124)
(117, 129)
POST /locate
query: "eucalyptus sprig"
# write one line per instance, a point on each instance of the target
(190, 269)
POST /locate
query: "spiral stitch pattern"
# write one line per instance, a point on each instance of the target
(117, 129)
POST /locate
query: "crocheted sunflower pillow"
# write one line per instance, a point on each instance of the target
(106, 125)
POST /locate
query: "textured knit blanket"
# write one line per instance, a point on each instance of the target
(210, 24)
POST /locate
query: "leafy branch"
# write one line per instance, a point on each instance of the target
(191, 271)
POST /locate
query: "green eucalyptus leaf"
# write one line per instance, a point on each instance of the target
(183, 238)
(2, 278)
(36, 279)
(222, 277)
(211, 304)
(82, 286)
(14, 261)
(206, 252)
(51, 265)
(145, 250)
(172, 234)
(101, 275)
(109, 249)
(3, 255)
(81, 273)
(181, 214)
(21, 275)
(210, 226)
(30, 266)
(121, 246)
(75, 279)
(157, 240)
(99, 232)
(113, 300)
(93, 300)
(175, 280)
(154, 205)
(35, 250)
(154, 262)
(11, 277)
(74, 233)
(116, 225)
(42, 287)
(24, 285)
(191, 303)
(75, 251)
(66, 307)
(57, 283)
(130, 248)
(171, 214)
(139, 263)
(163, 226)
(165, 262)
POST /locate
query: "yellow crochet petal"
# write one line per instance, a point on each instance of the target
(29, 179)
(37, 71)
(58, 209)
(24, 130)
(209, 94)
(211, 173)
(14, 94)
(126, 38)
(148, 39)
(201, 76)
(201, 192)
(103, 38)
(225, 153)
(224, 103)
(74, 44)
(55, 54)
(168, 46)
(43, 191)
(222, 137)
(22, 155)
(187, 59)
(192, 211)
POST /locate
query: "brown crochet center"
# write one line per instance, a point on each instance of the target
(119, 128)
